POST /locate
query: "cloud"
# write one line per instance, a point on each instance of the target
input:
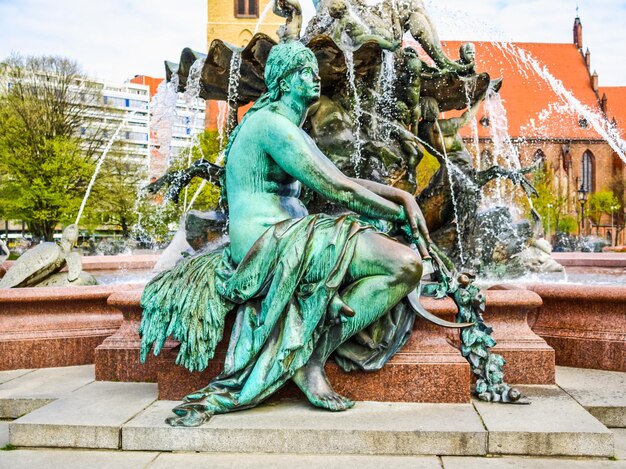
(117, 39)
(112, 40)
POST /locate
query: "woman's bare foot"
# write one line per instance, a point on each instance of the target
(311, 379)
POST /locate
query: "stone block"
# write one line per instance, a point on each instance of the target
(90, 417)
(370, 428)
(585, 324)
(554, 424)
(529, 359)
(33, 459)
(602, 393)
(117, 357)
(36, 389)
(56, 326)
(620, 443)
(291, 461)
(4, 434)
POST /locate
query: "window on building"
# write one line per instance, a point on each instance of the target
(246, 8)
(587, 172)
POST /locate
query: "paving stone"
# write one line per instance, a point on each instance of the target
(602, 393)
(554, 424)
(298, 428)
(12, 374)
(290, 461)
(620, 443)
(35, 389)
(512, 462)
(74, 459)
(90, 417)
(4, 433)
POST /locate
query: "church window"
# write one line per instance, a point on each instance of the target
(587, 172)
(246, 8)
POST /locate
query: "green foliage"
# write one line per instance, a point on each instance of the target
(550, 206)
(568, 224)
(45, 165)
(600, 203)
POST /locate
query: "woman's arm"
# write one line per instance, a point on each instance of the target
(296, 153)
(413, 212)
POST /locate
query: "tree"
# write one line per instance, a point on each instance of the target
(600, 203)
(114, 198)
(550, 206)
(49, 140)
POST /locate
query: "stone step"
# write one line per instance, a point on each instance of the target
(295, 427)
(80, 459)
(511, 462)
(291, 461)
(554, 424)
(74, 459)
(602, 393)
(90, 417)
(127, 415)
(23, 391)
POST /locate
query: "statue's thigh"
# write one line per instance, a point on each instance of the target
(377, 254)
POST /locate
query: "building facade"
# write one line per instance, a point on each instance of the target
(170, 141)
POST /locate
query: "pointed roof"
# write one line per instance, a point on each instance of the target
(534, 108)
(615, 105)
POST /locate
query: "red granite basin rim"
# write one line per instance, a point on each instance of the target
(93, 263)
(505, 298)
(28, 295)
(129, 297)
(596, 293)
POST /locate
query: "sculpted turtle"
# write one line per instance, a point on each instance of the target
(39, 266)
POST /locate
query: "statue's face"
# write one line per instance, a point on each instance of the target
(305, 83)
(468, 53)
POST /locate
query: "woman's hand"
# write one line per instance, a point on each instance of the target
(414, 215)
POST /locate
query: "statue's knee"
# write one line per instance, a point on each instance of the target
(411, 269)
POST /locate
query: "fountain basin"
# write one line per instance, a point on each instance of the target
(429, 368)
(57, 326)
(585, 324)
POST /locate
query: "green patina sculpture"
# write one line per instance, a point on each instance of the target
(301, 285)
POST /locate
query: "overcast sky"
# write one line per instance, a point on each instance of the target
(117, 39)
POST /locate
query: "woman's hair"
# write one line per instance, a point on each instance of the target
(283, 60)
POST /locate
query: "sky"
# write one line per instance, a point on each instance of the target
(115, 40)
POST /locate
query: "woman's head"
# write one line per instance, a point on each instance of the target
(291, 64)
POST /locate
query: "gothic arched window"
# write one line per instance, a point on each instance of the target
(587, 172)
(246, 8)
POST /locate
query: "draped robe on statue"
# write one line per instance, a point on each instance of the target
(281, 293)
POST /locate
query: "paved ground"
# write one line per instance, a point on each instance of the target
(81, 459)
(72, 421)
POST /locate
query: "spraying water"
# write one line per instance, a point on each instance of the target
(452, 194)
(358, 111)
(264, 14)
(163, 108)
(233, 90)
(387, 101)
(99, 165)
